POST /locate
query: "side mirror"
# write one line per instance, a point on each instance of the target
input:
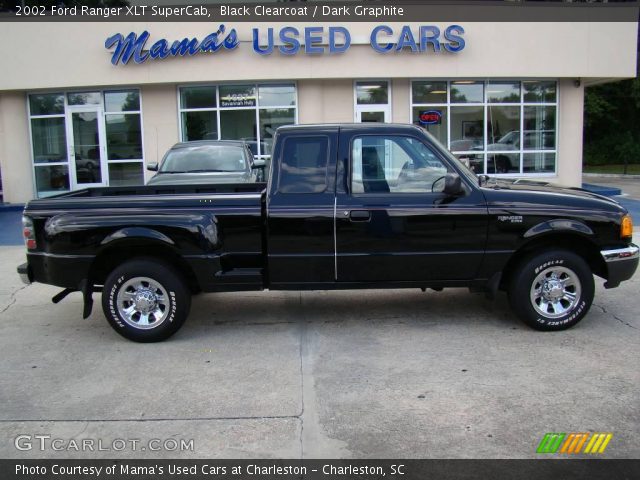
(452, 185)
(152, 167)
(258, 163)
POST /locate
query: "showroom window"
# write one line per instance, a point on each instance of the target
(498, 126)
(85, 139)
(123, 124)
(249, 112)
(49, 143)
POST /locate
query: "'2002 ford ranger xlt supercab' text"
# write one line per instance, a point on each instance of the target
(345, 207)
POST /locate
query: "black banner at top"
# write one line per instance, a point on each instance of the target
(319, 11)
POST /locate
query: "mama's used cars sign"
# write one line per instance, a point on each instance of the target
(287, 41)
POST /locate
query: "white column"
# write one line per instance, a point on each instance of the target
(570, 121)
(15, 148)
(159, 121)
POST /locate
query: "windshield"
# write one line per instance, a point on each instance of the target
(205, 158)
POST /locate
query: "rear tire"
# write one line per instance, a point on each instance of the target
(552, 290)
(145, 300)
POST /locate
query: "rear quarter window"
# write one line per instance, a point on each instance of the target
(303, 165)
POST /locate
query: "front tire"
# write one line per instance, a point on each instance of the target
(145, 300)
(552, 291)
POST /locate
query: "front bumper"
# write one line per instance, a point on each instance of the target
(621, 264)
(23, 271)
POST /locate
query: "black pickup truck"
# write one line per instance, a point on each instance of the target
(345, 207)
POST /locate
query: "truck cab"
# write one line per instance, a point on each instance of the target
(370, 203)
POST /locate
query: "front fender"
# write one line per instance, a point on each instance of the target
(556, 226)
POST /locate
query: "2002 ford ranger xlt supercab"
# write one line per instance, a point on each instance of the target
(345, 207)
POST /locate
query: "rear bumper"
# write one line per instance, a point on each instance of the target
(66, 271)
(621, 264)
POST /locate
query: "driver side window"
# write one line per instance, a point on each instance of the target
(394, 164)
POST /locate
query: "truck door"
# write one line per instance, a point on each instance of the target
(300, 208)
(393, 222)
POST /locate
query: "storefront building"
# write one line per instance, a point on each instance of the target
(506, 97)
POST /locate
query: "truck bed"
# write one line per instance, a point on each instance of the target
(164, 190)
(215, 230)
(148, 194)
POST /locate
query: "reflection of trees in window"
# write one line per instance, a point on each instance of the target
(195, 125)
(467, 93)
(377, 95)
(124, 138)
(511, 98)
(132, 102)
(539, 92)
(372, 93)
(48, 104)
(429, 92)
(457, 96)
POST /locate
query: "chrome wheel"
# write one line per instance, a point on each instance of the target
(143, 303)
(555, 292)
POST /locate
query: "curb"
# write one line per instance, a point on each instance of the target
(9, 207)
(602, 190)
(610, 175)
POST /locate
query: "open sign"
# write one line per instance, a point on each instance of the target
(430, 117)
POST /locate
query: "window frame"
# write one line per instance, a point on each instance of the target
(217, 109)
(485, 104)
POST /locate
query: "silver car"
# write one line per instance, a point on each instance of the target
(207, 161)
(505, 160)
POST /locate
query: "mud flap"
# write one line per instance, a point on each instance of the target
(492, 286)
(87, 290)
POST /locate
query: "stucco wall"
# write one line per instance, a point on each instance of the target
(15, 151)
(323, 101)
(159, 121)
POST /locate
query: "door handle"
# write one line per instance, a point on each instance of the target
(360, 215)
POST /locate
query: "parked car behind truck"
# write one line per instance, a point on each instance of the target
(345, 207)
(207, 162)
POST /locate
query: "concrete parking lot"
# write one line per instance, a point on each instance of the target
(318, 374)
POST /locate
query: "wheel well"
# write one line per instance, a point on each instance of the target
(112, 257)
(566, 241)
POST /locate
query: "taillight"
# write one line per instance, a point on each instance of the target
(29, 234)
(626, 227)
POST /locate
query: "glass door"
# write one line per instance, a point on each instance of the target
(86, 140)
(372, 101)
(372, 115)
